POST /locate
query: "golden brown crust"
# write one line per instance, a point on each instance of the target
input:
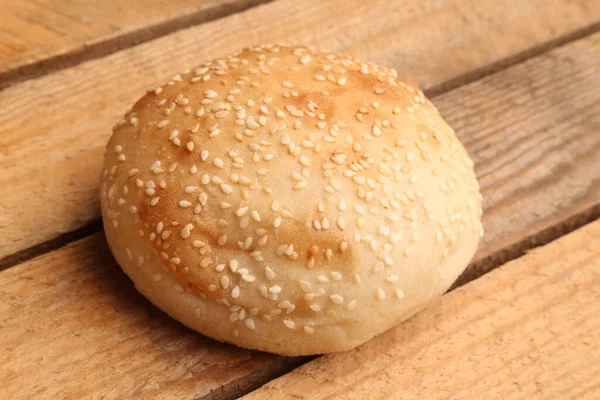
(289, 200)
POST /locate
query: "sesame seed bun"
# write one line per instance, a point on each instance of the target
(289, 200)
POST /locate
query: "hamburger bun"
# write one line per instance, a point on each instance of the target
(289, 200)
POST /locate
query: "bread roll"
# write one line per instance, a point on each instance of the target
(289, 200)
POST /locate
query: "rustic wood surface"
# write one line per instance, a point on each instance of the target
(80, 282)
(54, 128)
(38, 36)
(73, 326)
(528, 330)
(517, 79)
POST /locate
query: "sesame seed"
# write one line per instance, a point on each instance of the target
(185, 232)
(226, 188)
(399, 294)
(380, 294)
(305, 286)
(225, 281)
(269, 273)
(289, 250)
(275, 289)
(184, 204)
(250, 323)
(351, 305)
(289, 324)
(336, 276)
(222, 240)
(315, 307)
(178, 288)
(308, 329)
(203, 198)
(277, 222)
(337, 299)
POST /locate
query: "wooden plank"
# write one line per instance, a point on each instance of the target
(528, 330)
(54, 128)
(73, 326)
(60, 290)
(533, 131)
(38, 36)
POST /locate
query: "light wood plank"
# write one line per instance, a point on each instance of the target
(528, 330)
(80, 282)
(54, 128)
(73, 326)
(38, 36)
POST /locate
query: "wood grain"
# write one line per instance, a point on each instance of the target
(38, 36)
(54, 128)
(73, 326)
(72, 304)
(528, 330)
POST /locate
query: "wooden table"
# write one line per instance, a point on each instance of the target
(519, 80)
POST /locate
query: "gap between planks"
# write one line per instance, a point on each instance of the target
(107, 43)
(535, 79)
(512, 60)
(65, 148)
